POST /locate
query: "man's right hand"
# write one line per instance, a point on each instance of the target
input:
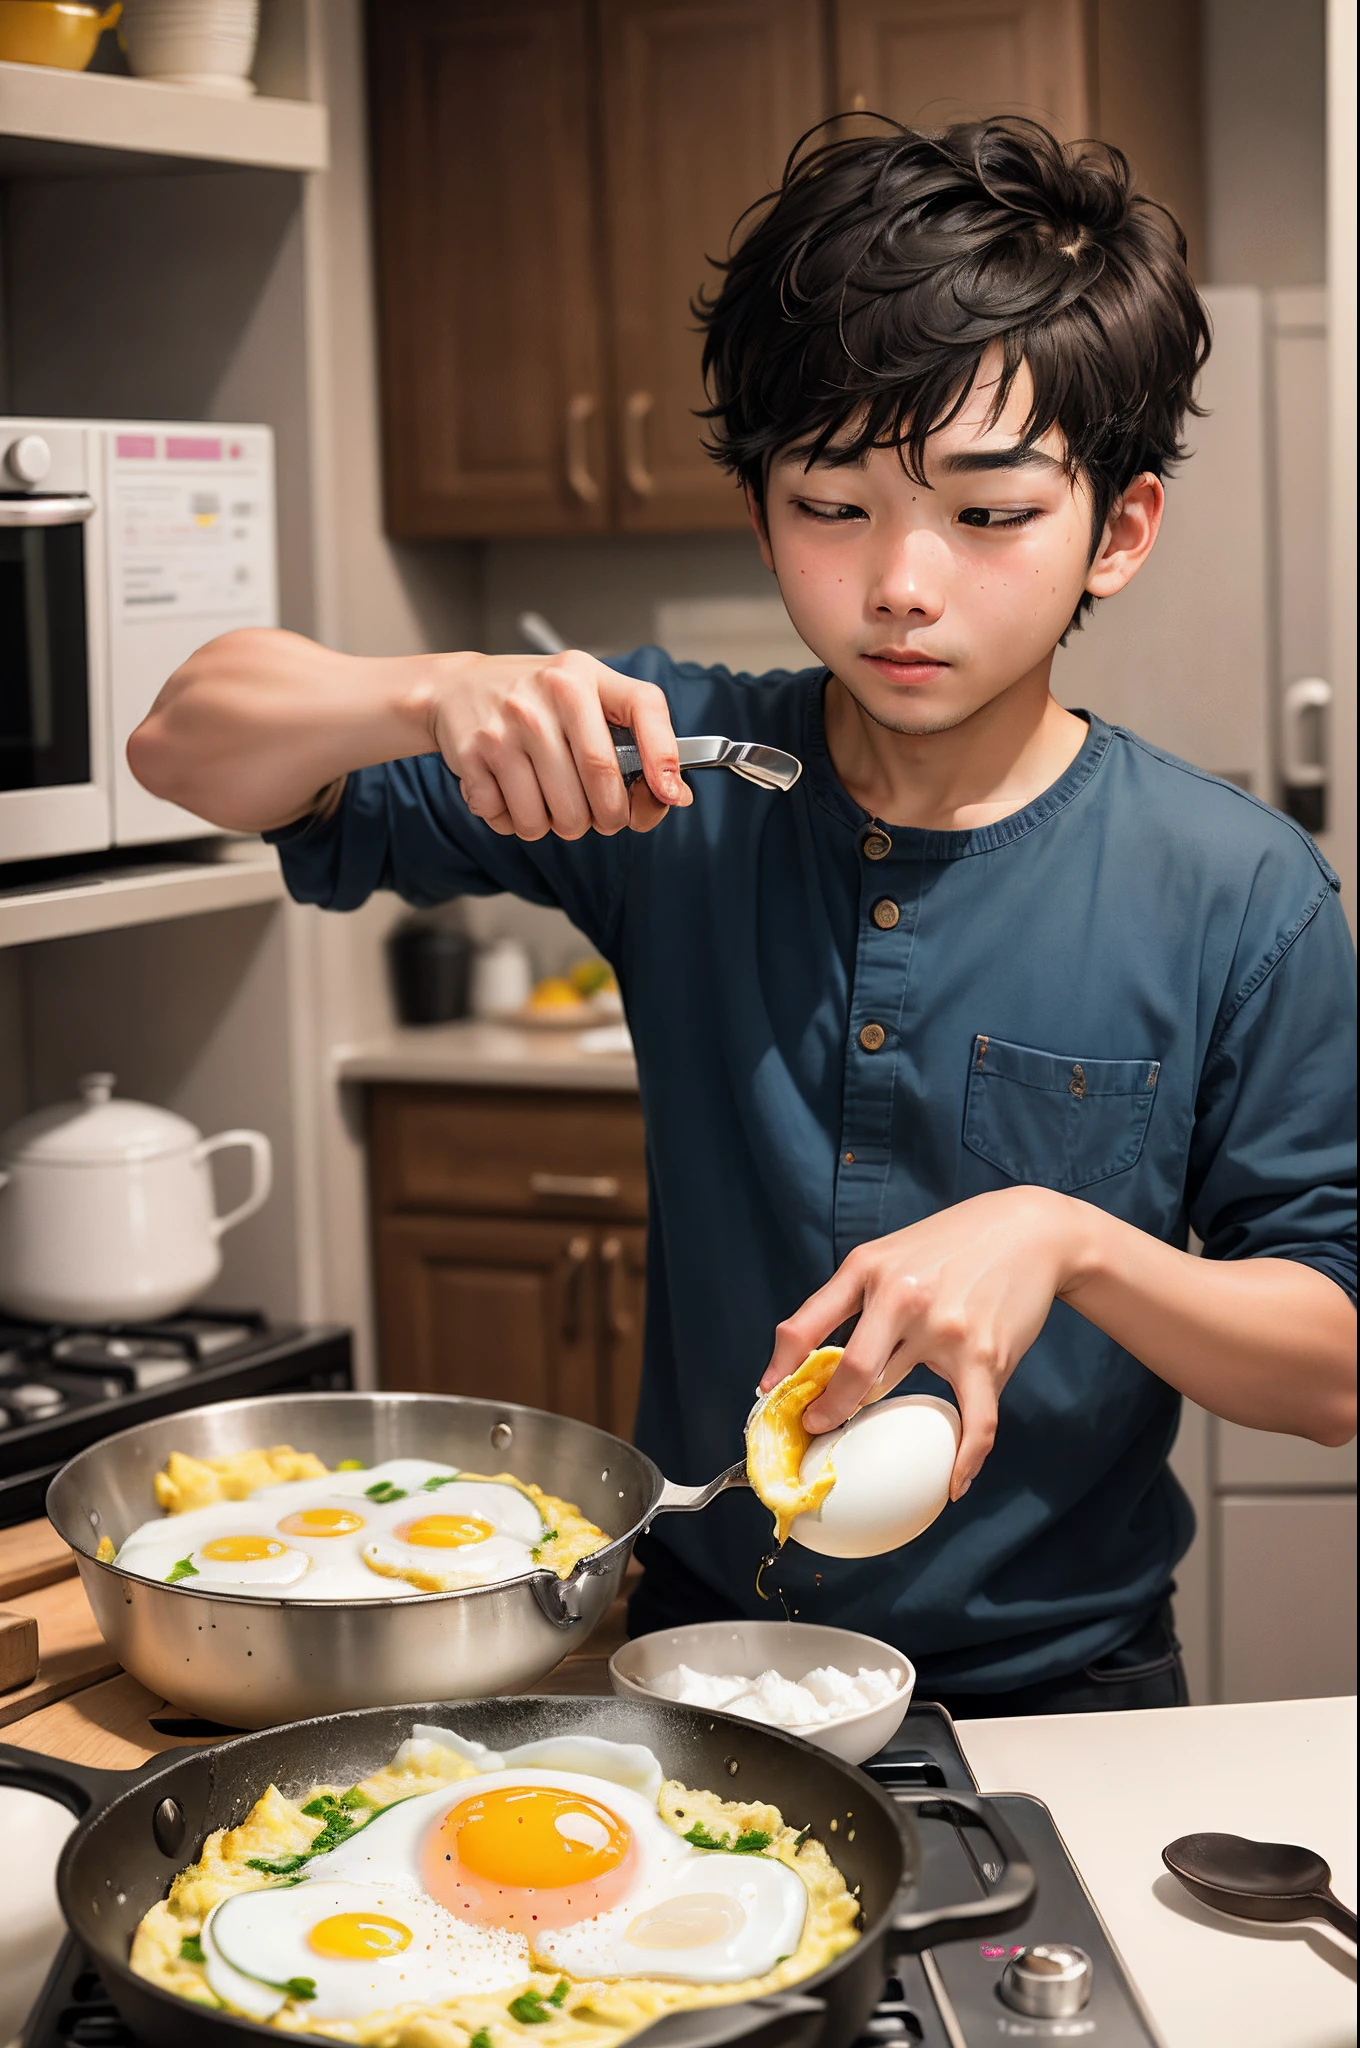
(257, 725)
(528, 738)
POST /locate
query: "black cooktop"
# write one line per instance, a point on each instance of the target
(62, 1389)
(949, 1997)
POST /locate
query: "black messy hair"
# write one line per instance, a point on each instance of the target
(855, 312)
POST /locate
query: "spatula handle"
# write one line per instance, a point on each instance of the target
(1341, 1917)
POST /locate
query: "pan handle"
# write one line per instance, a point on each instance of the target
(80, 1788)
(786, 2019)
(1010, 1887)
(686, 1500)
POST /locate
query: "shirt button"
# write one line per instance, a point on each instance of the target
(885, 913)
(877, 846)
(873, 1037)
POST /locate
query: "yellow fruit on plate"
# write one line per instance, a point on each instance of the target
(556, 993)
(776, 1443)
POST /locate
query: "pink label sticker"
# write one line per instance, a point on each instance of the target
(192, 448)
(136, 447)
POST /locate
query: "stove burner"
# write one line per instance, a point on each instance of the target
(62, 1388)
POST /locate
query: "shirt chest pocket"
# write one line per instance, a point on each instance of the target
(1052, 1119)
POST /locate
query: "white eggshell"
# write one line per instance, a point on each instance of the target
(893, 1463)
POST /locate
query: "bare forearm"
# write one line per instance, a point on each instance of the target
(256, 724)
(1265, 1342)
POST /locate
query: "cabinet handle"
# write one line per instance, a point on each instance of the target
(636, 408)
(617, 1320)
(578, 1257)
(580, 412)
(588, 1187)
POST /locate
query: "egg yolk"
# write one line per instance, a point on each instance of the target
(531, 1836)
(526, 1856)
(242, 1549)
(355, 1937)
(446, 1532)
(321, 1522)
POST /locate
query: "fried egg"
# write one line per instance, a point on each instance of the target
(379, 1532)
(585, 1870)
(478, 1532)
(343, 1950)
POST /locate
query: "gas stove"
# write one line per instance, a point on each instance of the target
(64, 1388)
(956, 1996)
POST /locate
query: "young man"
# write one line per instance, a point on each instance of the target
(965, 1035)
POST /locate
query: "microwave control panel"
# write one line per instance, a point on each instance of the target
(190, 548)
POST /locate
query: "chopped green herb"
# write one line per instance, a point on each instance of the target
(384, 1492)
(481, 2039)
(338, 1822)
(356, 1800)
(350, 1465)
(748, 1843)
(548, 1536)
(191, 1950)
(299, 1988)
(433, 1486)
(185, 1569)
(531, 2008)
(276, 1866)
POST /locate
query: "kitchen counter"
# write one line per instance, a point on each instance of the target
(1121, 1786)
(471, 1055)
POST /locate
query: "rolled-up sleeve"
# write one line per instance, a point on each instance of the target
(404, 826)
(1272, 1169)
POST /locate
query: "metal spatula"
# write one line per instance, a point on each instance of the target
(767, 767)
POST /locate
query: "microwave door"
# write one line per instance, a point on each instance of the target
(53, 798)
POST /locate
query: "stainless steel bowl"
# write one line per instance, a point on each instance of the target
(255, 1663)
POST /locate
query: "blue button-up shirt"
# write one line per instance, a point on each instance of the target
(1137, 989)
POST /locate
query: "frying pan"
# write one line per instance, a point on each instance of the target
(137, 1830)
(249, 1662)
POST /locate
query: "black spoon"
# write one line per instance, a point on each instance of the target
(1257, 1880)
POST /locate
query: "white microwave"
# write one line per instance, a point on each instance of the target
(124, 545)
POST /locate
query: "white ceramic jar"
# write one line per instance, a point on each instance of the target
(107, 1211)
(205, 44)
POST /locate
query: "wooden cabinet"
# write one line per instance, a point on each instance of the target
(1128, 74)
(488, 278)
(929, 62)
(510, 1246)
(552, 176)
(703, 100)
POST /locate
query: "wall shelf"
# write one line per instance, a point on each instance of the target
(72, 123)
(117, 897)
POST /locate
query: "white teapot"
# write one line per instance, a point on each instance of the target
(107, 1212)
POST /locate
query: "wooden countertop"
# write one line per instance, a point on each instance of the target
(82, 1706)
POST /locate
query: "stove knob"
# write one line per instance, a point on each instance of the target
(1050, 1981)
(28, 459)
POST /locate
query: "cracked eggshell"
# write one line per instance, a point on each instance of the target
(893, 1463)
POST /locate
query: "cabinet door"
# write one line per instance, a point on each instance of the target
(505, 1310)
(703, 99)
(488, 274)
(930, 62)
(623, 1300)
(1287, 1600)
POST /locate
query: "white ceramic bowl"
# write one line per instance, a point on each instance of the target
(743, 1649)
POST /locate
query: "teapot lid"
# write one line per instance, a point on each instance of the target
(96, 1130)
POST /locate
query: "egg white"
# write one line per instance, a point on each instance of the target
(650, 1936)
(769, 1901)
(257, 1941)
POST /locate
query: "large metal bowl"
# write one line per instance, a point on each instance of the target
(256, 1663)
